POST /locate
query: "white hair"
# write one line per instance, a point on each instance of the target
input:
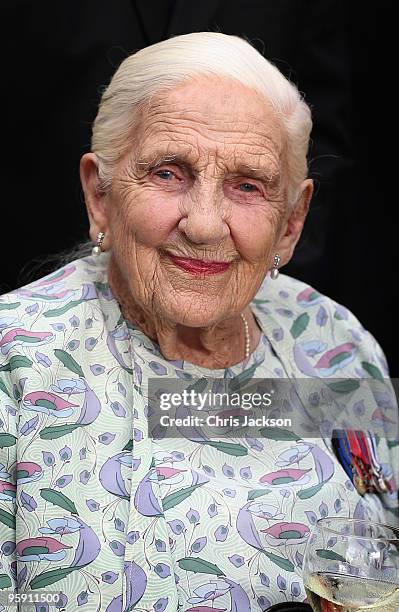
(175, 60)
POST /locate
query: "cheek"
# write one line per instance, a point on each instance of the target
(148, 221)
(254, 231)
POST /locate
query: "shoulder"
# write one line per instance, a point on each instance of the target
(59, 312)
(292, 293)
(325, 330)
(59, 336)
(55, 288)
(52, 297)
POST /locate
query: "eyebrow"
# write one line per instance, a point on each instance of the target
(158, 159)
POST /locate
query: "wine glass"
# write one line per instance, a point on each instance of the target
(352, 564)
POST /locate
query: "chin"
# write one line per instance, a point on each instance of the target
(197, 315)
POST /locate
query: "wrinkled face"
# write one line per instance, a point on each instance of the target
(204, 183)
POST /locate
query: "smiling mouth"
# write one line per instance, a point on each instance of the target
(199, 266)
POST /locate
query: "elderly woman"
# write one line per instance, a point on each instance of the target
(196, 189)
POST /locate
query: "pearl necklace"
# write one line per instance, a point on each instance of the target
(247, 339)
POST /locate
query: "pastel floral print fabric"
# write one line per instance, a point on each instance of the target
(94, 509)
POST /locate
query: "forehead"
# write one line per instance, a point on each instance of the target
(211, 116)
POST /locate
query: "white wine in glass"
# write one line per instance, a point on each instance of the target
(351, 565)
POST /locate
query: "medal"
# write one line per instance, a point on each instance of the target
(346, 458)
(357, 453)
(383, 482)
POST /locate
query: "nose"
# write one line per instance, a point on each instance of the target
(204, 220)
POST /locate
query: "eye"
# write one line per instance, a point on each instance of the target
(248, 187)
(165, 174)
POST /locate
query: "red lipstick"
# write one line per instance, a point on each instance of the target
(199, 266)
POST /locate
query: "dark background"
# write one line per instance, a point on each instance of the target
(340, 54)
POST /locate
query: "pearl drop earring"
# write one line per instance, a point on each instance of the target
(97, 250)
(274, 271)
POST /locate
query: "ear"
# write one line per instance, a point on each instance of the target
(94, 198)
(295, 222)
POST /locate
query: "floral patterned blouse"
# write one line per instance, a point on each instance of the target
(95, 510)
